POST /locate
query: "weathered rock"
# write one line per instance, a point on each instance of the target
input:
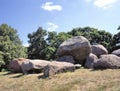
(77, 66)
(33, 65)
(91, 59)
(69, 59)
(58, 67)
(78, 47)
(116, 52)
(15, 65)
(99, 50)
(108, 62)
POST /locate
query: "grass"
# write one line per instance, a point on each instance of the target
(80, 80)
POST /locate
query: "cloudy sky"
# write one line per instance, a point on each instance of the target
(59, 15)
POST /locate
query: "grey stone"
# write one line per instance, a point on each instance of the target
(66, 58)
(15, 65)
(99, 50)
(77, 66)
(91, 59)
(78, 47)
(33, 65)
(116, 52)
(109, 61)
(58, 67)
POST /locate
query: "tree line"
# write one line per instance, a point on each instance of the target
(43, 44)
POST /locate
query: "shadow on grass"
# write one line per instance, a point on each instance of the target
(12, 75)
(7, 73)
(102, 69)
(17, 76)
(42, 77)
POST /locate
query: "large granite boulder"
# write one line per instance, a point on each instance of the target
(91, 59)
(33, 66)
(58, 67)
(99, 50)
(66, 58)
(109, 61)
(15, 65)
(116, 52)
(78, 47)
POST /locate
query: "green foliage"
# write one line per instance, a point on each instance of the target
(44, 47)
(116, 41)
(43, 44)
(51, 45)
(37, 44)
(95, 36)
(62, 36)
(4, 70)
(10, 45)
(54, 41)
(1, 59)
(118, 28)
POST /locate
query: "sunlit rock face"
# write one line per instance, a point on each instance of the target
(109, 61)
(78, 47)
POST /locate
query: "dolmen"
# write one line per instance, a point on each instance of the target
(37, 66)
(58, 67)
(71, 54)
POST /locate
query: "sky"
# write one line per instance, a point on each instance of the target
(59, 15)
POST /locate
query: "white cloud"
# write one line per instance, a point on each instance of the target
(105, 4)
(50, 6)
(26, 45)
(52, 26)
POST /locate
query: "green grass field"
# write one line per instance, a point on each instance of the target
(80, 80)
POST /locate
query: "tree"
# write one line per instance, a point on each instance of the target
(61, 37)
(118, 28)
(43, 44)
(10, 45)
(116, 41)
(76, 32)
(36, 49)
(51, 45)
(95, 36)
(54, 41)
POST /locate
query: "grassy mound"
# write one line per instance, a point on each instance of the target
(80, 80)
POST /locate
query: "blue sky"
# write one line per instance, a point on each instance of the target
(59, 15)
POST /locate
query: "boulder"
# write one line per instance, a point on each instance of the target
(58, 67)
(91, 59)
(77, 66)
(69, 59)
(33, 65)
(99, 50)
(109, 61)
(78, 47)
(116, 52)
(15, 65)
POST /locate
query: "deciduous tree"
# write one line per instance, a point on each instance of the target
(37, 41)
(10, 45)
